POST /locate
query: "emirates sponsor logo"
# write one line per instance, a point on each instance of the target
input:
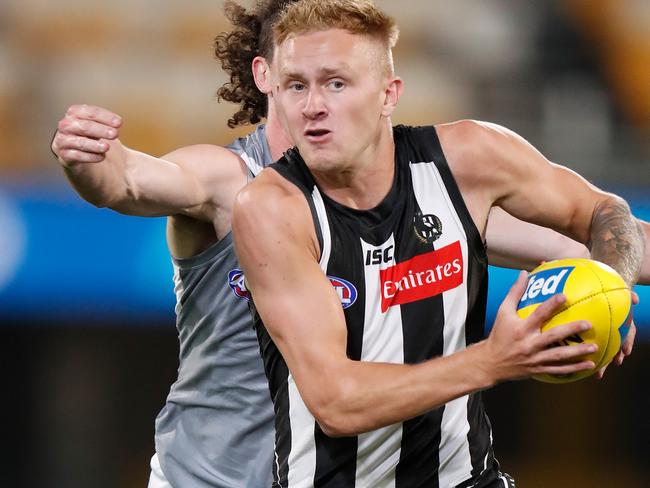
(422, 277)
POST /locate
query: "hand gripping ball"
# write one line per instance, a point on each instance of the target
(594, 292)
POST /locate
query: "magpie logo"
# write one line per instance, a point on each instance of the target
(428, 228)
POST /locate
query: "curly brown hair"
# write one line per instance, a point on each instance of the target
(251, 36)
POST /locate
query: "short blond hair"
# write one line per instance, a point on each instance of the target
(356, 16)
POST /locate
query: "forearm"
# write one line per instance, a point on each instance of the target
(365, 396)
(101, 184)
(617, 239)
(513, 243)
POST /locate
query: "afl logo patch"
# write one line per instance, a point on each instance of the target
(345, 290)
(428, 228)
(238, 285)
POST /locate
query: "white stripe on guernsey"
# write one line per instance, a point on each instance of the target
(179, 289)
(379, 451)
(455, 457)
(302, 458)
(324, 227)
(253, 166)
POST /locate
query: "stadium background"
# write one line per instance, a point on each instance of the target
(88, 344)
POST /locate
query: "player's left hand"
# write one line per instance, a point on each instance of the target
(628, 344)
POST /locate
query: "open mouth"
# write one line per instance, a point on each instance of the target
(317, 134)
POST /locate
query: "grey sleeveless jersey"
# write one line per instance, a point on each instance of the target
(216, 428)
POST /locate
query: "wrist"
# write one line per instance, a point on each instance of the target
(485, 364)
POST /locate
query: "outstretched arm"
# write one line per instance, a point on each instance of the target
(108, 174)
(276, 244)
(513, 243)
(499, 168)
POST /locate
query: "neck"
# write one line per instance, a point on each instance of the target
(365, 182)
(277, 138)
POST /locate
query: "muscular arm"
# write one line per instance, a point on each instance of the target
(617, 238)
(499, 168)
(108, 174)
(276, 245)
(513, 243)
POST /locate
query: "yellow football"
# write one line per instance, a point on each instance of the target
(594, 292)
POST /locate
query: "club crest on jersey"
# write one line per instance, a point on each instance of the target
(238, 284)
(544, 284)
(428, 228)
(345, 290)
(423, 276)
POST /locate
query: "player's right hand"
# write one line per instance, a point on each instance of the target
(83, 133)
(518, 348)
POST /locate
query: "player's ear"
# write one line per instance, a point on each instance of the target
(262, 74)
(393, 93)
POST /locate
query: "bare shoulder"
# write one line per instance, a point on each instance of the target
(272, 208)
(207, 158)
(482, 152)
(270, 195)
(217, 170)
(475, 140)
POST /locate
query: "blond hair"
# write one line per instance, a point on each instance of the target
(356, 16)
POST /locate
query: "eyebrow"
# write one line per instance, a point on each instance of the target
(324, 70)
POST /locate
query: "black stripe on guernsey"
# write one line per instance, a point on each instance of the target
(277, 373)
(336, 458)
(443, 447)
(422, 323)
(427, 139)
(291, 168)
(479, 434)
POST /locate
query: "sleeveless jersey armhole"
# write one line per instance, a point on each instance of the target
(427, 138)
(281, 167)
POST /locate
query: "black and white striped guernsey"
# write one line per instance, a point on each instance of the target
(412, 277)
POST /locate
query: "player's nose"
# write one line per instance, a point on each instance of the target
(315, 106)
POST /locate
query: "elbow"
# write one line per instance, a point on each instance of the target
(98, 200)
(334, 425)
(340, 415)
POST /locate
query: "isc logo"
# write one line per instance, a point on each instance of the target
(543, 284)
(379, 256)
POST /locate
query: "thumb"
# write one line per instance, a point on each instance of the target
(516, 291)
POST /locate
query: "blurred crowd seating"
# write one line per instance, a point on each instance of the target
(571, 75)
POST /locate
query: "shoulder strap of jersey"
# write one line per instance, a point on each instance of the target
(292, 167)
(424, 146)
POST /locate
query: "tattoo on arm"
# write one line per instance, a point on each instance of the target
(617, 239)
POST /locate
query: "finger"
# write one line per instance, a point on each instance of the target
(628, 344)
(516, 291)
(564, 369)
(559, 333)
(635, 298)
(97, 114)
(600, 374)
(79, 143)
(618, 359)
(87, 128)
(75, 156)
(546, 310)
(562, 354)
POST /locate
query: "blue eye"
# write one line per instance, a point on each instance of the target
(337, 85)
